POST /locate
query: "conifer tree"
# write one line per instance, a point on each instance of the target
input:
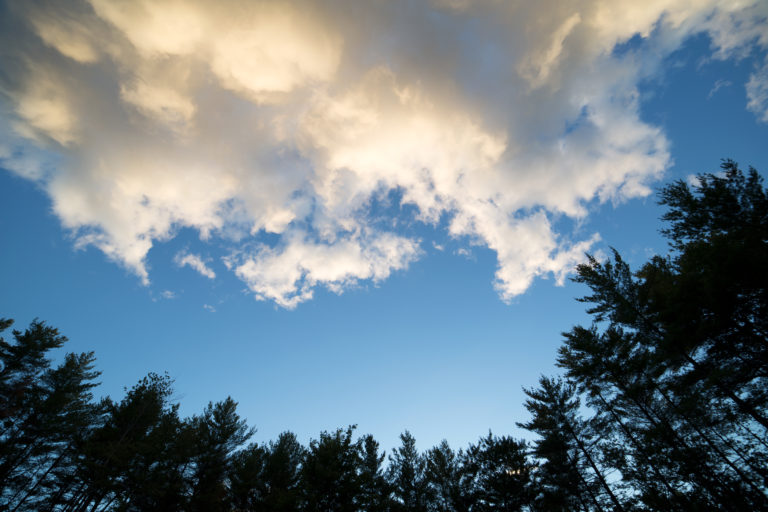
(406, 475)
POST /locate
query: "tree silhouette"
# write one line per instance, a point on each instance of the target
(406, 475)
(330, 476)
(674, 363)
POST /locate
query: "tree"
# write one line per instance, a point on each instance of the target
(218, 432)
(445, 473)
(406, 475)
(282, 474)
(501, 473)
(675, 363)
(136, 458)
(374, 495)
(330, 472)
(711, 299)
(246, 478)
(568, 476)
(45, 413)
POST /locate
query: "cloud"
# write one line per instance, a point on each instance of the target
(463, 251)
(195, 262)
(289, 274)
(45, 110)
(757, 92)
(304, 138)
(718, 85)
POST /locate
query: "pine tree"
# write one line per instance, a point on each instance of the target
(406, 475)
(330, 477)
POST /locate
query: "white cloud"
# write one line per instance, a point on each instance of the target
(279, 127)
(195, 262)
(463, 251)
(277, 50)
(172, 27)
(757, 92)
(288, 274)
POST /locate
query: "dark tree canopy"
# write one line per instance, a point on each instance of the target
(674, 365)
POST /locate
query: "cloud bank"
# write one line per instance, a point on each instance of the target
(274, 128)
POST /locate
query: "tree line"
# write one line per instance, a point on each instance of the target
(662, 404)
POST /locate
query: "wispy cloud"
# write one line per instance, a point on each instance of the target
(757, 92)
(279, 124)
(195, 262)
(718, 85)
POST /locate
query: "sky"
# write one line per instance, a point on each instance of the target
(351, 212)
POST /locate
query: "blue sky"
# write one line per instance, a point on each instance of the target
(338, 222)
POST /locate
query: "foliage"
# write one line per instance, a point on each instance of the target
(674, 364)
